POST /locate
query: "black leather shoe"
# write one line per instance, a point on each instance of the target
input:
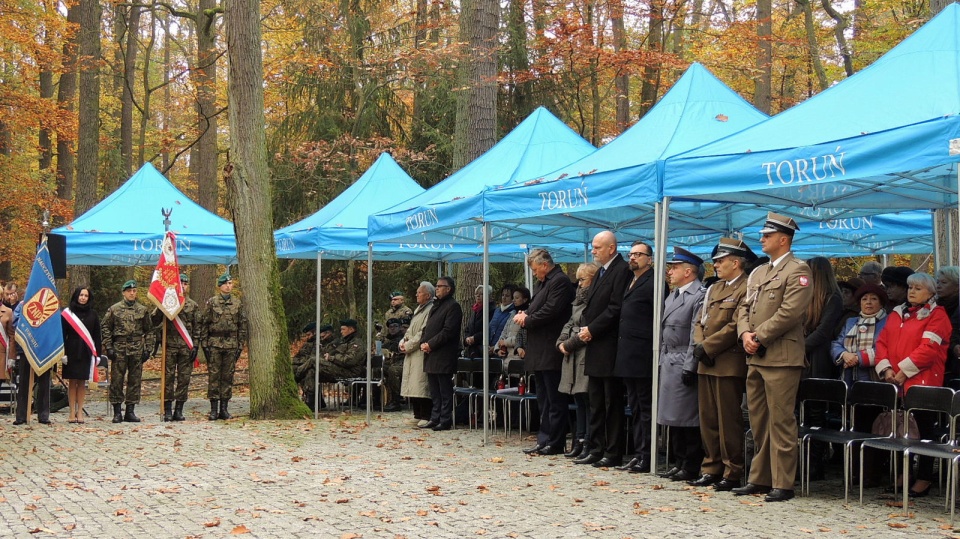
(919, 493)
(45, 422)
(685, 475)
(705, 480)
(575, 449)
(395, 407)
(591, 458)
(750, 489)
(607, 462)
(642, 467)
(19, 422)
(534, 449)
(443, 426)
(549, 450)
(633, 462)
(429, 425)
(671, 472)
(726, 485)
(779, 495)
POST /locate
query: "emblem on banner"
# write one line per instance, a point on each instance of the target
(40, 307)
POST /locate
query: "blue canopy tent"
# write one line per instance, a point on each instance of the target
(126, 228)
(885, 139)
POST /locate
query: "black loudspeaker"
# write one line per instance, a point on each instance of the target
(57, 245)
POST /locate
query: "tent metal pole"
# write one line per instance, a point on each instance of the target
(661, 217)
(486, 331)
(317, 397)
(369, 327)
(937, 252)
(949, 233)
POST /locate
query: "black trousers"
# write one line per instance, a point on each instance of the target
(441, 391)
(606, 416)
(640, 400)
(554, 410)
(42, 403)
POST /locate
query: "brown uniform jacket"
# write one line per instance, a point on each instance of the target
(716, 328)
(775, 307)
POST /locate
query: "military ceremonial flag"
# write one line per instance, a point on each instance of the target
(165, 288)
(39, 330)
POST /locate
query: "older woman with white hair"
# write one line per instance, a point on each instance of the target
(912, 350)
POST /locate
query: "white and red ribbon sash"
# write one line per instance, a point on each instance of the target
(3, 338)
(182, 330)
(81, 329)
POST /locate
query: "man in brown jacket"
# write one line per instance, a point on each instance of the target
(722, 369)
(770, 324)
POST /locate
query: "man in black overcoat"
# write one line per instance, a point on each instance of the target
(602, 318)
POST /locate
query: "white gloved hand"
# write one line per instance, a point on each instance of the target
(65, 360)
(11, 364)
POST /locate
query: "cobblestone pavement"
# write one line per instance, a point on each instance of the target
(337, 477)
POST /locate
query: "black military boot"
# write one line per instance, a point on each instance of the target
(178, 411)
(167, 412)
(213, 409)
(131, 417)
(117, 414)
(224, 414)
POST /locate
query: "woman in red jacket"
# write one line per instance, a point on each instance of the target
(912, 350)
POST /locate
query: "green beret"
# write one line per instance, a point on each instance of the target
(349, 322)
(184, 278)
(395, 293)
(128, 285)
(223, 279)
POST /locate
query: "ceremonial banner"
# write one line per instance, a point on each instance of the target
(39, 330)
(165, 288)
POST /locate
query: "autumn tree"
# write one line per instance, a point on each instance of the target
(273, 393)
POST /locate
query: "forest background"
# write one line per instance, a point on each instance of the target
(92, 89)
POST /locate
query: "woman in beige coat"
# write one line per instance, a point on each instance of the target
(414, 382)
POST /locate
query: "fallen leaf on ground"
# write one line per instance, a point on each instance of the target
(241, 529)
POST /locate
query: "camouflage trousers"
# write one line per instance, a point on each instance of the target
(127, 370)
(177, 372)
(221, 365)
(393, 375)
(330, 373)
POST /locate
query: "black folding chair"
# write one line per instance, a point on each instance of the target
(817, 390)
(466, 381)
(877, 394)
(938, 449)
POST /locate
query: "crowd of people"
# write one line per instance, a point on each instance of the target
(744, 338)
(123, 340)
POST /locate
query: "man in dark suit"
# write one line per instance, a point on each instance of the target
(549, 310)
(635, 353)
(770, 324)
(602, 321)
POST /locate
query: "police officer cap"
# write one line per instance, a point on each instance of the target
(128, 285)
(395, 294)
(779, 223)
(325, 327)
(309, 327)
(683, 256)
(184, 278)
(735, 247)
(223, 279)
(349, 322)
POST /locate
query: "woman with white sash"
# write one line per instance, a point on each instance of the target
(81, 347)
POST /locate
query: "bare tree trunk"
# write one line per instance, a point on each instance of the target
(595, 99)
(65, 96)
(650, 85)
(622, 79)
(936, 6)
(762, 84)
(203, 165)
(273, 393)
(812, 46)
(132, 27)
(167, 98)
(88, 131)
(839, 30)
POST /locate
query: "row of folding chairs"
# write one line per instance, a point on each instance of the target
(861, 395)
(468, 385)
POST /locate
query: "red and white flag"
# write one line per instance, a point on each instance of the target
(166, 292)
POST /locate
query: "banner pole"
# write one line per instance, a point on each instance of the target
(30, 392)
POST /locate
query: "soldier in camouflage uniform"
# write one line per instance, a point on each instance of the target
(223, 333)
(179, 363)
(393, 362)
(304, 363)
(128, 337)
(398, 311)
(346, 358)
